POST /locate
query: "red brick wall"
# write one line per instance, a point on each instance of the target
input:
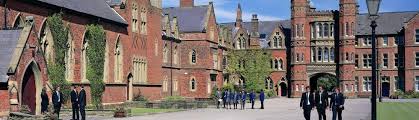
(4, 105)
(410, 50)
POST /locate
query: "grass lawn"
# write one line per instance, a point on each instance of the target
(397, 111)
(144, 111)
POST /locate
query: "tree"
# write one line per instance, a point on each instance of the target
(252, 65)
(328, 81)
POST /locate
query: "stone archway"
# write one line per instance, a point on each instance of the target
(30, 88)
(326, 79)
(283, 89)
(129, 88)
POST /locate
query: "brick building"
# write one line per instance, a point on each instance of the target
(133, 65)
(316, 43)
(194, 66)
(156, 52)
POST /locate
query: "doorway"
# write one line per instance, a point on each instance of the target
(284, 89)
(385, 89)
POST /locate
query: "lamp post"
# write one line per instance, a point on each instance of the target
(373, 7)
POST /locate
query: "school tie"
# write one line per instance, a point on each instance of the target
(308, 99)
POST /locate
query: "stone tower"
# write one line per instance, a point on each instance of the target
(346, 66)
(300, 50)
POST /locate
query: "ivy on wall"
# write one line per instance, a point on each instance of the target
(95, 38)
(56, 69)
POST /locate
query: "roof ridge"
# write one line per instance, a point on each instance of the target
(186, 7)
(417, 11)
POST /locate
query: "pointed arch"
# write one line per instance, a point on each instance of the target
(69, 57)
(175, 55)
(18, 21)
(281, 64)
(31, 87)
(165, 53)
(46, 41)
(84, 59)
(118, 60)
(193, 56)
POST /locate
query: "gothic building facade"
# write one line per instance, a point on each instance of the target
(317, 43)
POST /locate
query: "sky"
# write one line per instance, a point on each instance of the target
(267, 10)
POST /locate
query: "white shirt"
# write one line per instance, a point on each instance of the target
(320, 97)
(58, 94)
(308, 98)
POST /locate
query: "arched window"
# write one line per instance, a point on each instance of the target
(18, 23)
(326, 55)
(276, 64)
(280, 44)
(84, 59)
(320, 55)
(276, 42)
(134, 12)
(69, 59)
(165, 84)
(118, 61)
(193, 84)
(175, 55)
(281, 65)
(165, 53)
(346, 28)
(347, 56)
(47, 42)
(224, 62)
(326, 30)
(241, 43)
(193, 57)
(321, 30)
(313, 55)
(143, 26)
(318, 30)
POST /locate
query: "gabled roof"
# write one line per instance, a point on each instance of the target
(98, 8)
(265, 29)
(8, 43)
(388, 22)
(190, 19)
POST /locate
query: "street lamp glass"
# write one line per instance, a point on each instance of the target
(373, 7)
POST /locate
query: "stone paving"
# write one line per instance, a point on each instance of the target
(275, 109)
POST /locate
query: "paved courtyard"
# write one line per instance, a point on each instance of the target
(275, 109)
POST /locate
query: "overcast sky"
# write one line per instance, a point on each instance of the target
(225, 10)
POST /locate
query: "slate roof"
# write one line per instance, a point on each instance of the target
(388, 22)
(98, 8)
(8, 43)
(190, 19)
(265, 29)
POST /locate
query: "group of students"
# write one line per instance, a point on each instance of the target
(320, 100)
(231, 97)
(78, 102)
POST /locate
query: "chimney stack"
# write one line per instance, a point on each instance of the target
(255, 26)
(186, 3)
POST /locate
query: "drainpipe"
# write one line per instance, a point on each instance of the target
(5, 15)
